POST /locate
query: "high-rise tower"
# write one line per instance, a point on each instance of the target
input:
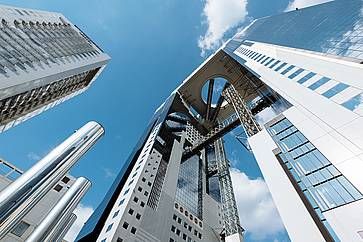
(44, 60)
(293, 82)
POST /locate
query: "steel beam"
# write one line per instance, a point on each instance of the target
(209, 98)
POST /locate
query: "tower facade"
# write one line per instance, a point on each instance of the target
(167, 193)
(44, 60)
(292, 82)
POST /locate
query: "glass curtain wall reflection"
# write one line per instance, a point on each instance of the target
(321, 183)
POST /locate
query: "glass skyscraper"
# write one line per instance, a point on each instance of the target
(292, 81)
(44, 61)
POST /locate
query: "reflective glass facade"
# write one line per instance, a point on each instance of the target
(322, 184)
(333, 28)
(189, 187)
(213, 188)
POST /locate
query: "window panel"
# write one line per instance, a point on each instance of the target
(336, 199)
(287, 70)
(354, 103)
(265, 60)
(280, 66)
(269, 62)
(318, 199)
(335, 90)
(306, 77)
(324, 194)
(349, 187)
(342, 192)
(261, 58)
(319, 83)
(296, 73)
(274, 64)
(325, 190)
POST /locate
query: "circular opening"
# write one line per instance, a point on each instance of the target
(218, 86)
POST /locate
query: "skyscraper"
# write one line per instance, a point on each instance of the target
(44, 60)
(292, 81)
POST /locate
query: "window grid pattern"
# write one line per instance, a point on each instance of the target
(29, 45)
(154, 197)
(26, 102)
(354, 104)
(322, 184)
(189, 189)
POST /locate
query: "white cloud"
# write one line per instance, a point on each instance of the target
(220, 16)
(33, 156)
(109, 173)
(303, 3)
(83, 213)
(257, 210)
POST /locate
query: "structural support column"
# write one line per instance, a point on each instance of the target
(52, 224)
(232, 228)
(244, 114)
(25, 192)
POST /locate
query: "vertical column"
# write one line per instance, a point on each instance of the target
(26, 191)
(233, 229)
(60, 214)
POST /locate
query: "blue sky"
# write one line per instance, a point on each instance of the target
(154, 45)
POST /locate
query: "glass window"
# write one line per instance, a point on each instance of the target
(353, 103)
(269, 62)
(265, 60)
(58, 188)
(349, 187)
(258, 56)
(109, 227)
(280, 66)
(287, 70)
(342, 192)
(131, 211)
(274, 64)
(323, 185)
(319, 83)
(261, 58)
(125, 225)
(126, 191)
(335, 90)
(296, 73)
(306, 77)
(20, 229)
(115, 214)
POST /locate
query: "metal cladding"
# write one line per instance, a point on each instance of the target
(58, 237)
(20, 196)
(52, 224)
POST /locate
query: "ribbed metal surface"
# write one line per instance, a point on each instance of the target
(20, 196)
(50, 226)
